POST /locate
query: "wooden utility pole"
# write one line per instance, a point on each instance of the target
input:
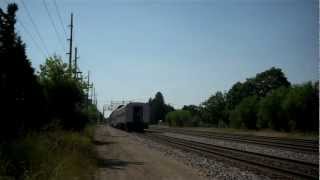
(88, 91)
(92, 95)
(88, 84)
(76, 72)
(70, 44)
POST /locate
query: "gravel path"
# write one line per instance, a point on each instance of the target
(122, 157)
(313, 158)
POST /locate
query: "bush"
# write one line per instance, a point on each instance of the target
(65, 95)
(245, 114)
(52, 155)
(179, 118)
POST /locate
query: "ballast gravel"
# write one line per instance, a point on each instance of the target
(206, 168)
(312, 158)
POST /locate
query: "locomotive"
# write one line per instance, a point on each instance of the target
(131, 117)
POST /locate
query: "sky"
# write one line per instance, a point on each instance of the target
(186, 49)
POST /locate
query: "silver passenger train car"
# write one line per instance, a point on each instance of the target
(134, 116)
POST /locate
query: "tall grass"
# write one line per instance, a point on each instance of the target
(55, 155)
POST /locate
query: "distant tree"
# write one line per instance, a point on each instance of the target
(271, 113)
(213, 109)
(179, 118)
(168, 108)
(193, 109)
(245, 114)
(238, 92)
(260, 85)
(269, 80)
(157, 108)
(301, 106)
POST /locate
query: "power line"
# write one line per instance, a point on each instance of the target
(53, 24)
(35, 26)
(33, 40)
(60, 18)
(31, 36)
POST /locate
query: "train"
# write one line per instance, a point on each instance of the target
(134, 116)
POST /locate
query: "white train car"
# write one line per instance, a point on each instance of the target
(134, 116)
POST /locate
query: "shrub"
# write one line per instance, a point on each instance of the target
(179, 118)
(52, 155)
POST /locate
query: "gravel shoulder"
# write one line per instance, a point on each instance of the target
(122, 156)
(312, 158)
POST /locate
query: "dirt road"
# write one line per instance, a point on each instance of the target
(121, 156)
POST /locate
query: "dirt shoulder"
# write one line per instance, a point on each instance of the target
(122, 157)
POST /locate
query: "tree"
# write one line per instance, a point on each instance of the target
(269, 80)
(21, 95)
(271, 113)
(65, 94)
(179, 118)
(245, 114)
(301, 106)
(193, 109)
(260, 85)
(214, 109)
(158, 108)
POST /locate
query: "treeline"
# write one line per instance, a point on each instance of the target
(267, 100)
(42, 115)
(158, 108)
(36, 102)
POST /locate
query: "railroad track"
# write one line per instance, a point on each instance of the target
(280, 166)
(297, 145)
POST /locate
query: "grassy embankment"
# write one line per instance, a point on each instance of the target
(55, 155)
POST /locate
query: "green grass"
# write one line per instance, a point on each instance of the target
(56, 155)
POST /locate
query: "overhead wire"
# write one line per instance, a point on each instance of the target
(60, 18)
(32, 39)
(35, 26)
(53, 24)
(31, 36)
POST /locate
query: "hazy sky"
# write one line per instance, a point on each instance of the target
(187, 49)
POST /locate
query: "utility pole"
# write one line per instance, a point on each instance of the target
(88, 90)
(89, 86)
(93, 95)
(103, 111)
(76, 72)
(70, 44)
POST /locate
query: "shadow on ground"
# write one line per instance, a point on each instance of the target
(116, 163)
(101, 143)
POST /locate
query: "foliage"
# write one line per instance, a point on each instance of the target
(158, 108)
(271, 113)
(301, 106)
(50, 155)
(32, 106)
(214, 109)
(179, 118)
(65, 95)
(20, 90)
(260, 86)
(193, 109)
(245, 114)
